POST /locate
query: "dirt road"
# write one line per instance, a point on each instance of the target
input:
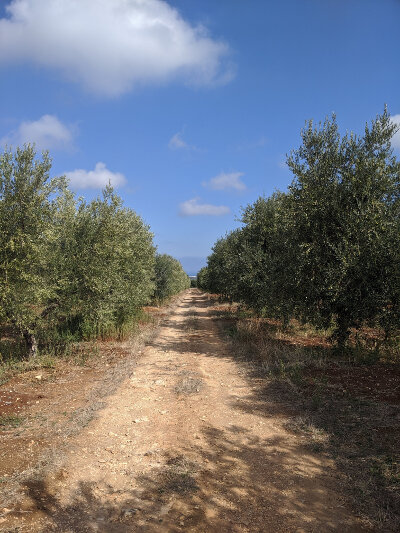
(189, 443)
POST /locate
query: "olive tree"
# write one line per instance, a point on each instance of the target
(111, 266)
(327, 251)
(28, 202)
(170, 278)
(343, 211)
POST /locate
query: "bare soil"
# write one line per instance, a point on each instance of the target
(379, 382)
(183, 441)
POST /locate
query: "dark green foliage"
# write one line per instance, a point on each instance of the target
(202, 279)
(343, 201)
(170, 277)
(28, 201)
(112, 262)
(327, 251)
(68, 270)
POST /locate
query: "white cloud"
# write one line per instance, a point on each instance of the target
(111, 45)
(95, 179)
(262, 141)
(176, 142)
(193, 208)
(259, 143)
(47, 133)
(226, 181)
(396, 137)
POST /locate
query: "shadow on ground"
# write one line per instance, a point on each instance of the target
(237, 483)
(211, 495)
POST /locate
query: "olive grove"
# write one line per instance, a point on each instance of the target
(71, 269)
(327, 251)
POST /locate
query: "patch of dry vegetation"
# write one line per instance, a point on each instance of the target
(109, 362)
(178, 476)
(346, 402)
(189, 382)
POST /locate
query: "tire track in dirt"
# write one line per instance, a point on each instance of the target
(182, 446)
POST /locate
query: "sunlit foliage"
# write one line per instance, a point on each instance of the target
(71, 269)
(328, 250)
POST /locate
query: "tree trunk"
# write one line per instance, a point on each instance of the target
(31, 344)
(343, 331)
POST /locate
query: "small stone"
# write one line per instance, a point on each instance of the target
(39, 377)
(129, 512)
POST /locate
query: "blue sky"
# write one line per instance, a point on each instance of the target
(190, 106)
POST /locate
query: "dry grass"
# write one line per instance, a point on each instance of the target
(360, 430)
(178, 476)
(191, 324)
(13, 367)
(318, 437)
(117, 361)
(189, 383)
(13, 352)
(274, 350)
(10, 421)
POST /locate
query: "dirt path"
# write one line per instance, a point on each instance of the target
(185, 444)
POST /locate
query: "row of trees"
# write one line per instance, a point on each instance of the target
(170, 277)
(71, 269)
(328, 250)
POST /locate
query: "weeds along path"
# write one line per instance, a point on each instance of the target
(183, 445)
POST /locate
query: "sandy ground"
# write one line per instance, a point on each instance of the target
(187, 443)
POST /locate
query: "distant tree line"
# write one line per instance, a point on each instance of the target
(69, 269)
(170, 277)
(327, 251)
